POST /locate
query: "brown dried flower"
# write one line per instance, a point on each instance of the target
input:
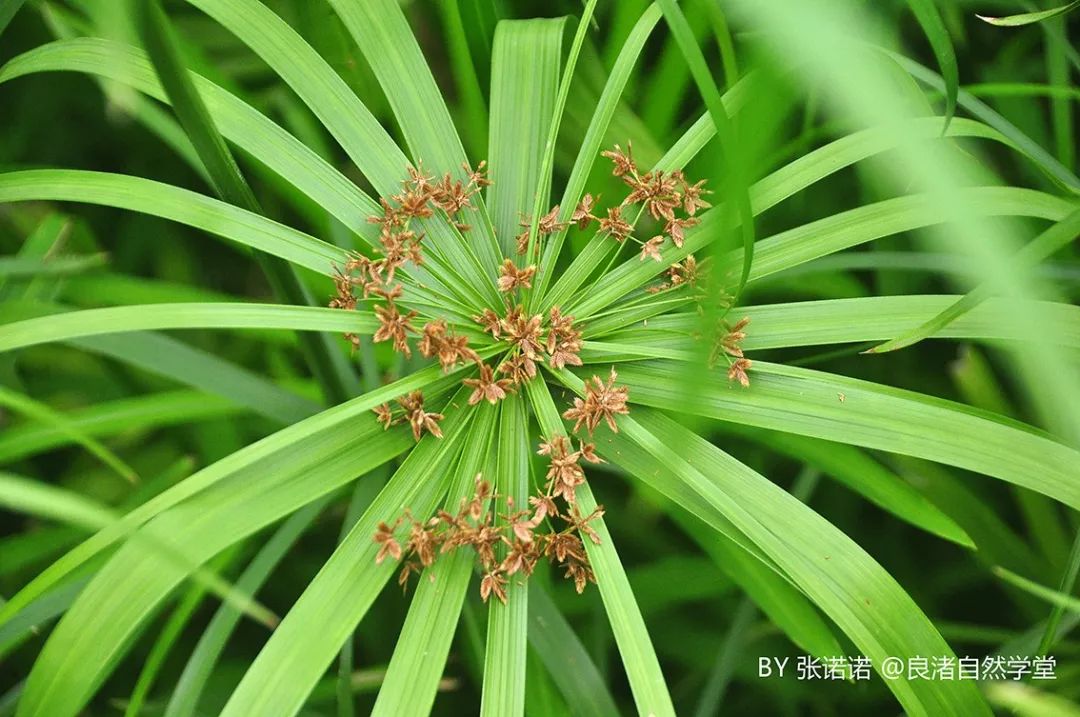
(563, 340)
(384, 415)
(487, 387)
(603, 401)
(511, 277)
(583, 215)
(448, 347)
(524, 334)
(384, 536)
(493, 583)
(490, 322)
(692, 200)
(393, 325)
(418, 418)
(737, 371)
(651, 248)
(615, 226)
(676, 227)
(623, 161)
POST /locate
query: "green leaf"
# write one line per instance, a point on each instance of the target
(736, 184)
(859, 472)
(58, 266)
(465, 76)
(176, 204)
(730, 549)
(360, 134)
(41, 413)
(382, 33)
(95, 633)
(166, 638)
(565, 658)
(8, 8)
(1058, 599)
(1046, 162)
(837, 321)
(256, 460)
(204, 657)
(239, 122)
(594, 136)
(28, 496)
(825, 236)
(416, 667)
(845, 582)
(23, 495)
(638, 656)
(331, 371)
(524, 82)
(119, 319)
(162, 47)
(1029, 18)
(929, 18)
(1026, 701)
(547, 164)
(164, 356)
(1059, 235)
(821, 405)
(503, 691)
(297, 654)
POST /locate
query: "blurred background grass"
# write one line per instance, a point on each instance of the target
(694, 611)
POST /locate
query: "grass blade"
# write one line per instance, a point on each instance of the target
(809, 403)
(565, 658)
(1054, 597)
(168, 202)
(108, 418)
(8, 8)
(96, 631)
(412, 678)
(256, 459)
(152, 317)
(547, 164)
(929, 18)
(837, 321)
(1029, 18)
(333, 373)
(204, 657)
(1059, 235)
(58, 422)
(331, 606)
(503, 693)
(638, 656)
(524, 82)
(845, 582)
(382, 33)
(736, 183)
(594, 136)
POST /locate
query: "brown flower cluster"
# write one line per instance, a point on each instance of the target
(510, 543)
(546, 225)
(419, 198)
(728, 346)
(602, 402)
(528, 342)
(664, 195)
(440, 342)
(413, 413)
(685, 273)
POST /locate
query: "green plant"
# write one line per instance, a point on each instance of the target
(663, 316)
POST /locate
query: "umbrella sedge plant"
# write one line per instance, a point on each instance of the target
(506, 328)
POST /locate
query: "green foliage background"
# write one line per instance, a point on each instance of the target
(187, 452)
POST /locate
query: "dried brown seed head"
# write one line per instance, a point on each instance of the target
(511, 277)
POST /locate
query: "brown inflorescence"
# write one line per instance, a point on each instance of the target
(508, 543)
